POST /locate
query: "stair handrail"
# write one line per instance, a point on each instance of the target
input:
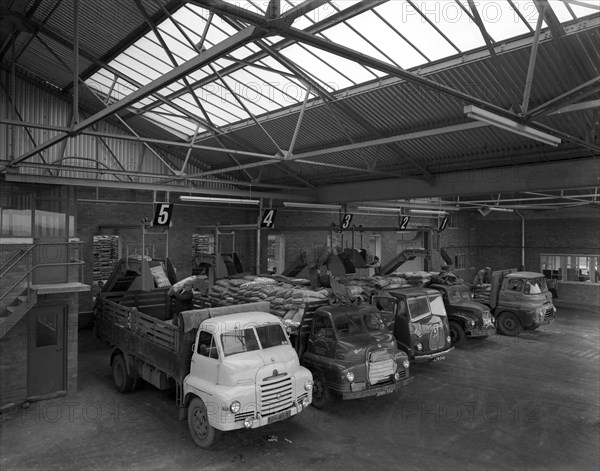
(29, 272)
(23, 252)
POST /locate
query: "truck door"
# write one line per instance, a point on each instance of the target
(402, 326)
(511, 293)
(322, 339)
(205, 360)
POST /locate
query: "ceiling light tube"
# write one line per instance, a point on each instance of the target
(293, 204)
(510, 125)
(497, 208)
(428, 211)
(212, 199)
(402, 206)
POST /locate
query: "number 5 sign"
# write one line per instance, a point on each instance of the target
(162, 214)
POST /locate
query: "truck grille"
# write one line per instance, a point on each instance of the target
(276, 395)
(549, 314)
(241, 416)
(436, 337)
(381, 366)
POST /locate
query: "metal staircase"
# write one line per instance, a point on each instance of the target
(18, 299)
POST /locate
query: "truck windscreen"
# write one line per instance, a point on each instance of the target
(247, 340)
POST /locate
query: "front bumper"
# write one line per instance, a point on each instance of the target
(377, 390)
(258, 420)
(418, 358)
(484, 332)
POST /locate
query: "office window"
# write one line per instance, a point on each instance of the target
(573, 268)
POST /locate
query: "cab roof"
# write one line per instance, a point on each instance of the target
(524, 274)
(242, 320)
(411, 291)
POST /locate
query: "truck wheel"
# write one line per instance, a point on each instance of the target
(122, 380)
(203, 434)
(322, 396)
(509, 324)
(457, 334)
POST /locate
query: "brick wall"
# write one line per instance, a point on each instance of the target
(14, 353)
(13, 365)
(187, 218)
(498, 243)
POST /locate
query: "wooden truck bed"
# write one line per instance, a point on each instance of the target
(156, 342)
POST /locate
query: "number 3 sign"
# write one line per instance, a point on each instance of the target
(162, 214)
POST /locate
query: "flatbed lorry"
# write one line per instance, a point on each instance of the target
(232, 367)
(520, 300)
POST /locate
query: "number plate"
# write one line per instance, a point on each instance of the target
(386, 391)
(279, 416)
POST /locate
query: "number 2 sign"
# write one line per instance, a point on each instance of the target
(162, 214)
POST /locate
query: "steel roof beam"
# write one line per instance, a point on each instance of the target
(206, 57)
(332, 20)
(581, 173)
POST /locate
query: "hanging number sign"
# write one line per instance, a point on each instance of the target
(268, 218)
(403, 222)
(443, 224)
(346, 220)
(162, 214)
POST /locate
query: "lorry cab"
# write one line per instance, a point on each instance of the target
(467, 318)
(350, 353)
(523, 301)
(418, 319)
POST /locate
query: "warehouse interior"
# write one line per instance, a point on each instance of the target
(270, 132)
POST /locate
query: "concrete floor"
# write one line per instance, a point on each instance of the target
(531, 402)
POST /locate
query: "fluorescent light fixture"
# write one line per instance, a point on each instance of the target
(212, 199)
(510, 125)
(428, 211)
(293, 204)
(498, 208)
(391, 209)
(379, 208)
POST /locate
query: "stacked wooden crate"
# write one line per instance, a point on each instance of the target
(106, 254)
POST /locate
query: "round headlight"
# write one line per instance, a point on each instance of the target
(235, 407)
(448, 339)
(308, 385)
(406, 364)
(419, 347)
(350, 376)
(248, 422)
(472, 323)
(305, 402)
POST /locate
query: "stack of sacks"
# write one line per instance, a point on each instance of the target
(482, 293)
(418, 278)
(160, 277)
(287, 300)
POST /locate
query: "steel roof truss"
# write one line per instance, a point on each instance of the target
(173, 75)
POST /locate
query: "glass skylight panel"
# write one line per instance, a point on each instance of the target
(321, 64)
(419, 32)
(581, 10)
(500, 19)
(175, 124)
(344, 35)
(447, 15)
(267, 90)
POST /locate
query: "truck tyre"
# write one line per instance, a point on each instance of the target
(322, 396)
(121, 378)
(203, 434)
(509, 324)
(457, 334)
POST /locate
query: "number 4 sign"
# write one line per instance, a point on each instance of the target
(162, 214)
(268, 218)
